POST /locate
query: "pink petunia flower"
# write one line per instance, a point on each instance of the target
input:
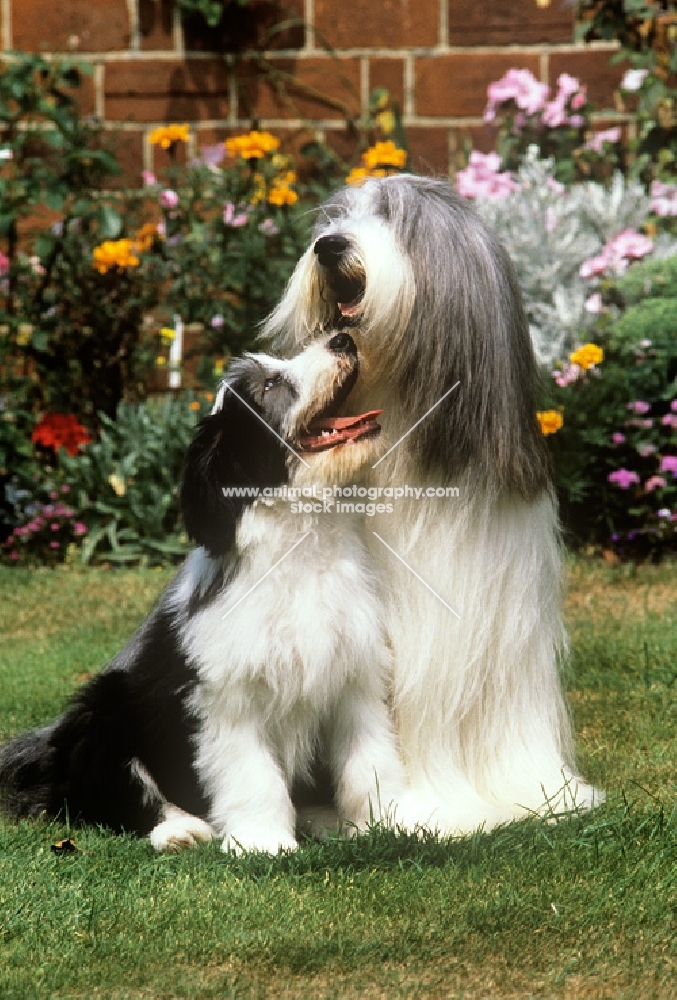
(483, 179)
(670, 420)
(594, 303)
(654, 483)
(663, 198)
(596, 143)
(669, 464)
(520, 86)
(233, 219)
(623, 478)
(639, 406)
(618, 438)
(148, 177)
(168, 198)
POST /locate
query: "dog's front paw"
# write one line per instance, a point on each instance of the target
(180, 830)
(245, 842)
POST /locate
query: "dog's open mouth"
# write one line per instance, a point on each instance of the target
(349, 292)
(325, 432)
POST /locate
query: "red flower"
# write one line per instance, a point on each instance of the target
(60, 430)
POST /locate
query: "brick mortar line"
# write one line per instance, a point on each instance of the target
(7, 24)
(426, 52)
(334, 125)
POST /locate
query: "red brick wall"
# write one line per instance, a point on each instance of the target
(436, 57)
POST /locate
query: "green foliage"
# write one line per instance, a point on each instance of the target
(125, 485)
(646, 31)
(632, 395)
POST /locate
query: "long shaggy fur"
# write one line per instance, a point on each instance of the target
(432, 299)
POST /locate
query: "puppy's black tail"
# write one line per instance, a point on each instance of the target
(27, 774)
(81, 765)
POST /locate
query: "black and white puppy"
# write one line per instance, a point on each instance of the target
(269, 637)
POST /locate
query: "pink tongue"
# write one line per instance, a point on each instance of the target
(327, 432)
(341, 423)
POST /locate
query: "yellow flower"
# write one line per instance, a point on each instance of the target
(160, 361)
(167, 333)
(259, 193)
(252, 146)
(219, 365)
(550, 421)
(280, 193)
(384, 154)
(115, 253)
(146, 236)
(118, 484)
(357, 176)
(24, 334)
(167, 134)
(587, 356)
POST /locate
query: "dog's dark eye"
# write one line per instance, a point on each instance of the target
(270, 382)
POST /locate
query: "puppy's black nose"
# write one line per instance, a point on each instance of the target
(330, 249)
(342, 343)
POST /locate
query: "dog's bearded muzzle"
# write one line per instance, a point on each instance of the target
(343, 276)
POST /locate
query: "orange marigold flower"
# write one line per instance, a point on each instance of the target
(194, 405)
(168, 134)
(115, 253)
(146, 236)
(384, 154)
(252, 146)
(280, 192)
(550, 421)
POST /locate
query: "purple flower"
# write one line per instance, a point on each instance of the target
(79, 528)
(654, 483)
(618, 438)
(669, 464)
(670, 420)
(638, 406)
(168, 198)
(217, 321)
(65, 488)
(673, 405)
(54, 545)
(664, 512)
(623, 478)
(269, 228)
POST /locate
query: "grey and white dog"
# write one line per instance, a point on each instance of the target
(473, 614)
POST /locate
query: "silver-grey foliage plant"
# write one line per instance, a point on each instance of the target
(549, 231)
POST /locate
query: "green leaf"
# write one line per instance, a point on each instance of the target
(109, 222)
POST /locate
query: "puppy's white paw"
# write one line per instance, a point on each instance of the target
(243, 842)
(180, 830)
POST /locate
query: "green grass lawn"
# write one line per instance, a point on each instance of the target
(584, 909)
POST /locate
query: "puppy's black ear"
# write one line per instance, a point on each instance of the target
(232, 449)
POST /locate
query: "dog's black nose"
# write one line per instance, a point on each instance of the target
(330, 249)
(342, 343)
